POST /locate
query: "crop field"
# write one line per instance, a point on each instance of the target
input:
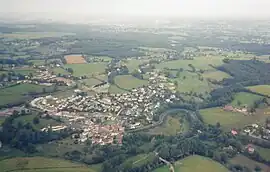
(40, 164)
(33, 35)
(87, 69)
(230, 120)
(198, 63)
(264, 152)
(262, 89)
(16, 93)
(195, 164)
(172, 126)
(243, 98)
(217, 75)
(129, 82)
(75, 59)
(240, 159)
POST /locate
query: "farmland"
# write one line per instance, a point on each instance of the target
(195, 164)
(230, 120)
(33, 35)
(129, 82)
(40, 164)
(61, 71)
(242, 99)
(264, 152)
(87, 69)
(216, 74)
(75, 59)
(244, 161)
(115, 90)
(91, 82)
(133, 64)
(262, 89)
(139, 159)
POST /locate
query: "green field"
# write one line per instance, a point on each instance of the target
(38, 62)
(133, 64)
(194, 164)
(230, 120)
(217, 75)
(115, 90)
(262, 89)
(60, 70)
(40, 164)
(2, 119)
(245, 99)
(87, 69)
(172, 126)
(24, 71)
(129, 82)
(139, 160)
(91, 82)
(198, 63)
(15, 93)
(33, 35)
(244, 161)
(264, 152)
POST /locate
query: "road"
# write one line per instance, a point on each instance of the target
(162, 118)
(166, 162)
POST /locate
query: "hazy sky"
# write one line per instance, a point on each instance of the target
(212, 8)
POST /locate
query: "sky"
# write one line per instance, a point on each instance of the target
(190, 8)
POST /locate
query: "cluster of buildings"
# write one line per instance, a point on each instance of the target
(234, 109)
(257, 131)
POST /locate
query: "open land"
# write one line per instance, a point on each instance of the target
(129, 82)
(217, 75)
(87, 69)
(262, 89)
(33, 35)
(245, 99)
(264, 152)
(195, 164)
(75, 59)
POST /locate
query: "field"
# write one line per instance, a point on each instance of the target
(33, 35)
(40, 164)
(16, 93)
(216, 74)
(129, 82)
(61, 71)
(91, 82)
(172, 126)
(244, 161)
(262, 89)
(2, 119)
(195, 164)
(37, 62)
(133, 64)
(87, 69)
(245, 99)
(139, 160)
(115, 90)
(264, 152)
(230, 120)
(24, 71)
(75, 59)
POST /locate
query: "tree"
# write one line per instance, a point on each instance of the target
(36, 120)
(258, 168)
(43, 90)
(239, 102)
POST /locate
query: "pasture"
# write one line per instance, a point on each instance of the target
(41, 164)
(129, 82)
(249, 163)
(87, 69)
(113, 89)
(264, 152)
(245, 99)
(75, 59)
(33, 35)
(262, 89)
(139, 160)
(61, 71)
(216, 75)
(24, 71)
(173, 125)
(230, 120)
(133, 64)
(91, 82)
(194, 164)
(37, 62)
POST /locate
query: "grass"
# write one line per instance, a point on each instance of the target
(262, 89)
(8, 152)
(91, 82)
(133, 64)
(264, 152)
(87, 69)
(172, 126)
(245, 99)
(244, 161)
(16, 93)
(38, 62)
(129, 82)
(2, 119)
(24, 71)
(33, 35)
(115, 90)
(60, 70)
(139, 160)
(195, 164)
(217, 75)
(230, 120)
(41, 164)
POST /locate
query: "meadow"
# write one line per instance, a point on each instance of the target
(41, 164)
(216, 75)
(230, 120)
(262, 89)
(139, 160)
(251, 164)
(87, 69)
(133, 64)
(245, 99)
(194, 164)
(115, 90)
(129, 82)
(264, 152)
(91, 82)
(33, 35)
(61, 71)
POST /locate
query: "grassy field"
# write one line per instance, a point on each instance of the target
(216, 74)
(133, 64)
(262, 89)
(25, 71)
(60, 70)
(2, 119)
(129, 82)
(33, 35)
(245, 99)
(15, 93)
(40, 164)
(242, 160)
(230, 120)
(87, 69)
(172, 126)
(115, 90)
(264, 152)
(195, 164)
(38, 62)
(139, 160)
(198, 63)
(91, 82)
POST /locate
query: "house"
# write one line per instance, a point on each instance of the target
(234, 132)
(250, 148)
(228, 108)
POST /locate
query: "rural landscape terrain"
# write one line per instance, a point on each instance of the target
(176, 96)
